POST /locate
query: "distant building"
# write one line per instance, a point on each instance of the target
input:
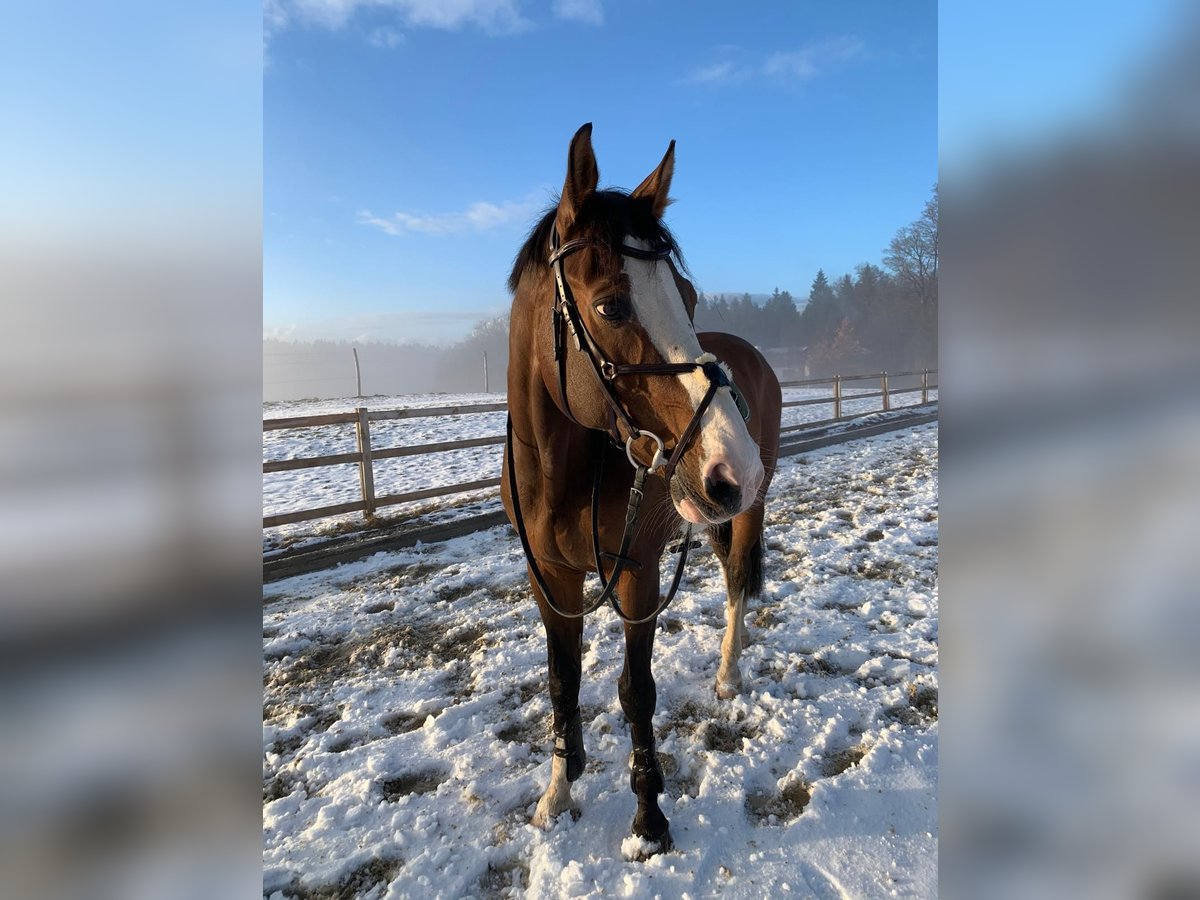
(789, 363)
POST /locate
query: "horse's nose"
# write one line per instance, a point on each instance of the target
(721, 486)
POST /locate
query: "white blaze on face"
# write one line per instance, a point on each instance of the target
(661, 312)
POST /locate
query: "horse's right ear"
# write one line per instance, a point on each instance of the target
(582, 177)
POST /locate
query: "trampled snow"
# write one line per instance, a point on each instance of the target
(406, 721)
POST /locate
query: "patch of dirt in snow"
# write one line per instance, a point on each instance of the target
(505, 879)
(839, 761)
(724, 737)
(921, 709)
(422, 782)
(283, 784)
(367, 653)
(404, 722)
(367, 880)
(780, 807)
(531, 731)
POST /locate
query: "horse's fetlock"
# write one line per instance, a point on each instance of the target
(568, 745)
(645, 774)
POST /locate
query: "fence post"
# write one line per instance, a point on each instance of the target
(837, 396)
(887, 401)
(924, 385)
(366, 470)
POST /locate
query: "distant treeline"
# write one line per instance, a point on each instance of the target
(879, 318)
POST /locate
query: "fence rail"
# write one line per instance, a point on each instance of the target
(365, 455)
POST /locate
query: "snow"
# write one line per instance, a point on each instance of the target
(406, 736)
(328, 485)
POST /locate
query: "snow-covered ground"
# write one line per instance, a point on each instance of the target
(406, 722)
(328, 485)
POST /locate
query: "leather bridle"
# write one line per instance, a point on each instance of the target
(567, 320)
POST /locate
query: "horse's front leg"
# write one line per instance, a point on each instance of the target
(639, 595)
(563, 646)
(739, 547)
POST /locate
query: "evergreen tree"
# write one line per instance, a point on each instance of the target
(780, 320)
(820, 318)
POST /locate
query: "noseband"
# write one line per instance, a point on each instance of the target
(566, 319)
(566, 314)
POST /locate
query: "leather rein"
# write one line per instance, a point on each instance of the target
(567, 320)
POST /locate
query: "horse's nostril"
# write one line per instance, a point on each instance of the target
(721, 490)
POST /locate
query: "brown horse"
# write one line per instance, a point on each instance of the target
(605, 366)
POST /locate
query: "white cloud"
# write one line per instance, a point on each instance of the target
(717, 73)
(812, 60)
(590, 12)
(385, 38)
(791, 66)
(481, 216)
(490, 16)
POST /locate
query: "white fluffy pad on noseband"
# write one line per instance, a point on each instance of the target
(708, 357)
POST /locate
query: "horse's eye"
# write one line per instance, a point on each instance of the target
(611, 308)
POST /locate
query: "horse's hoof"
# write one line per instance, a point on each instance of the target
(639, 849)
(727, 689)
(546, 815)
(651, 827)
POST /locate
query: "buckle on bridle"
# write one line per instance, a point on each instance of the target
(658, 460)
(608, 370)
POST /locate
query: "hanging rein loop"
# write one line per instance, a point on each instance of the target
(566, 317)
(621, 559)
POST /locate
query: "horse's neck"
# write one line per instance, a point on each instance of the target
(563, 447)
(559, 448)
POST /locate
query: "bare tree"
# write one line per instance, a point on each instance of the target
(913, 254)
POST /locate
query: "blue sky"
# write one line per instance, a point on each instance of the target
(1019, 75)
(408, 145)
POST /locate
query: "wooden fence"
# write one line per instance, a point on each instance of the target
(365, 455)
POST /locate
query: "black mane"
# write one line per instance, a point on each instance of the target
(608, 216)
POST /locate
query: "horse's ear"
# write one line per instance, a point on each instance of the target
(582, 177)
(658, 184)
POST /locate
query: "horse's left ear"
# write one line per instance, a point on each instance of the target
(582, 177)
(658, 184)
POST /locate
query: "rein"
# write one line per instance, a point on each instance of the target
(566, 315)
(620, 558)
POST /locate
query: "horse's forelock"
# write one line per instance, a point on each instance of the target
(609, 216)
